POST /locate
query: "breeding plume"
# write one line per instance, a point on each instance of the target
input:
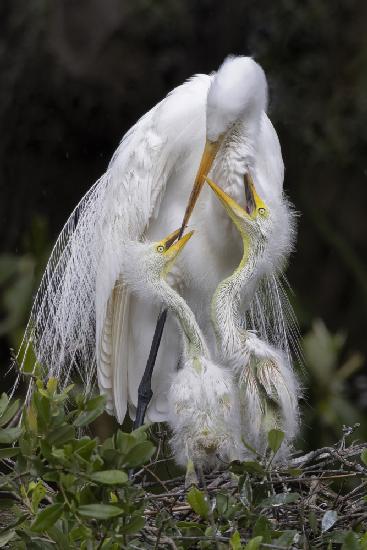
(84, 315)
(268, 387)
(203, 401)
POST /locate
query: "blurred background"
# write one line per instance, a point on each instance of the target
(75, 75)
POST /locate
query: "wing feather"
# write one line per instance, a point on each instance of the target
(79, 308)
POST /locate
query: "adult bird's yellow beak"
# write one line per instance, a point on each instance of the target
(172, 250)
(207, 159)
(232, 207)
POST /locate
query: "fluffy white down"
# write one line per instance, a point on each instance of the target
(204, 415)
(269, 392)
(238, 91)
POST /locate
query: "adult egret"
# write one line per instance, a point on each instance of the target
(203, 400)
(268, 386)
(84, 316)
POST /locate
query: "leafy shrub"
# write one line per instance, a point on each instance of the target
(68, 491)
(62, 489)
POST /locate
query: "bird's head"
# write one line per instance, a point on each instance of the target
(255, 219)
(237, 92)
(164, 253)
(146, 264)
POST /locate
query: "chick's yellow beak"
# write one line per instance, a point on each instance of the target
(255, 205)
(207, 159)
(176, 248)
(232, 207)
(167, 241)
(259, 204)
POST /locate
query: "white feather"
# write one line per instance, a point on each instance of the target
(78, 321)
(239, 91)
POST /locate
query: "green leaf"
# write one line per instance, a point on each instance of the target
(47, 517)
(254, 543)
(4, 400)
(61, 539)
(312, 520)
(99, 511)
(190, 525)
(287, 538)
(221, 503)
(135, 524)
(93, 409)
(275, 439)
(249, 466)
(328, 520)
(364, 456)
(351, 542)
(262, 528)
(6, 537)
(280, 499)
(61, 435)
(38, 493)
(235, 541)
(140, 454)
(110, 477)
(9, 452)
(198, 502)
(80, 532)
(51, 386)
(294, 472)
(9, 435)
(9, 412)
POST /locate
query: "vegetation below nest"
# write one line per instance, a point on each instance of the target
(60, 489)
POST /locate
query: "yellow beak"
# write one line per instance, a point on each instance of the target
(172, 250)
(232, 207)
(207, 159)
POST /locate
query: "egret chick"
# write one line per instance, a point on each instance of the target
(203, 401)
(268, 386)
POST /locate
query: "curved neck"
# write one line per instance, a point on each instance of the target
(228, 324)
(194, 343)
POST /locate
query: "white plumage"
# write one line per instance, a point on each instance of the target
(203, 402)
(268, 387)
(84, 316)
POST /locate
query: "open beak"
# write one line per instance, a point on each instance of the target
(254, 201)
(170, 239)
(172, 250)
(232, 207)
(207, 159)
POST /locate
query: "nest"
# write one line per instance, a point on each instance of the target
(314, 500)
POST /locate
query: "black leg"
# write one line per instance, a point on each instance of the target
(145, 387)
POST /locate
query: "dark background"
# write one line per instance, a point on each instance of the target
(75, 75)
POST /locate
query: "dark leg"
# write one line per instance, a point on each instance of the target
(145, 388)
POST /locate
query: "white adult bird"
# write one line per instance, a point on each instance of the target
(268, 387)
(83, 315)
(203, 400)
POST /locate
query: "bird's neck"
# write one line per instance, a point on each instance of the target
(194, 343)
(228, 323)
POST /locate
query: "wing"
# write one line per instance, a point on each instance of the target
(80, 317)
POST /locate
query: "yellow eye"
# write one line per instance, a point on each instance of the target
(160, 248)
(262, 211)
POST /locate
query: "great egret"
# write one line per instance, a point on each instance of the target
(203, 400)
(84, 316)
(268, 386)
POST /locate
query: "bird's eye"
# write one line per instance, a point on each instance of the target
(261, 211)
(160, 248)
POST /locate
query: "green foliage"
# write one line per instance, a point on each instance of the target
(65, 489)
(327, 379)
(69, 491)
